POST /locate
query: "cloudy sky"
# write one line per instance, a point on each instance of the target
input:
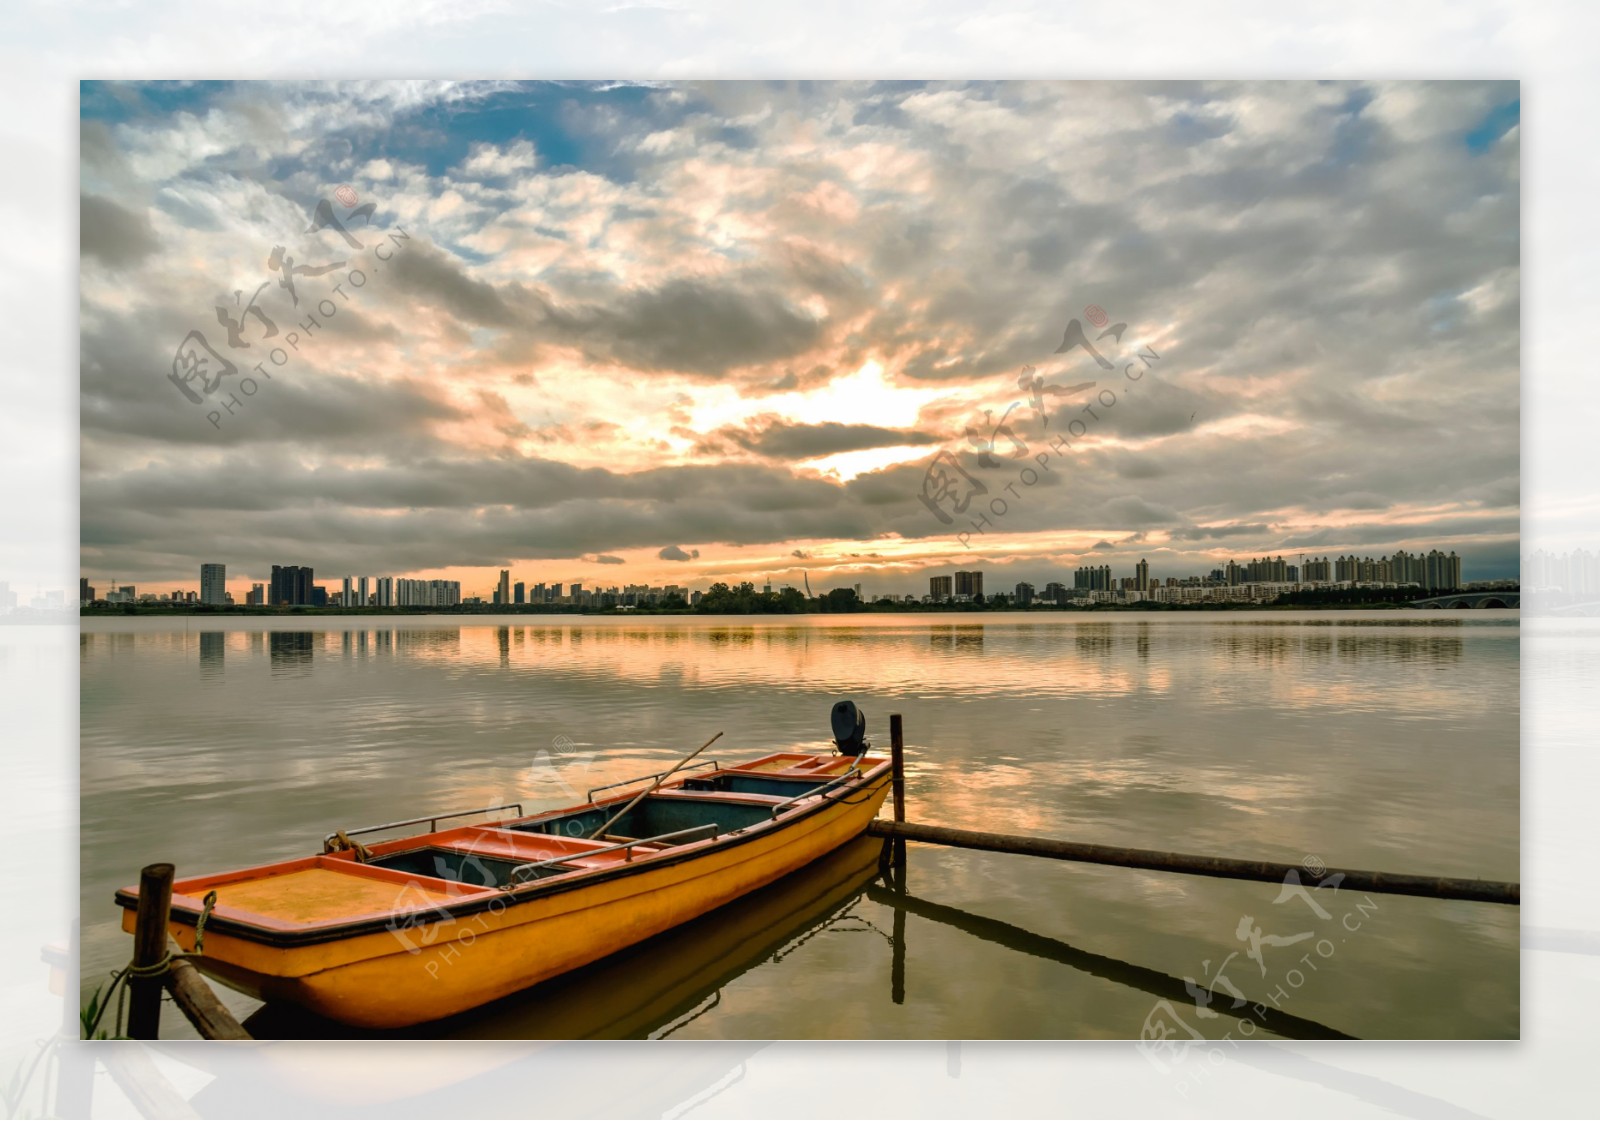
(674, 333)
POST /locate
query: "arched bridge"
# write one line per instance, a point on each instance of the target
(1472, 599)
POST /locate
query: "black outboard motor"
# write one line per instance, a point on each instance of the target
(850, 729)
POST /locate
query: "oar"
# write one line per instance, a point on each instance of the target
(659, 780)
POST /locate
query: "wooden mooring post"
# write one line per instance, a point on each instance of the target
(190, 991)
(897, 938)
(149, 947)
(897, 757)
(899, 831)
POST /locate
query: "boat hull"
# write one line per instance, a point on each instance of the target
(427, 970)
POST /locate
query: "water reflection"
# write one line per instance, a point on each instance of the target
(1018, 659)
(290, 651)
(963, 638)
(1095, 640)
(1381, 743)
(1398, 648)
(434, 642)
(1160, 985)
(213, 645)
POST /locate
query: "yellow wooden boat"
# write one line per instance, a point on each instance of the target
(646, 989)
(415, 928)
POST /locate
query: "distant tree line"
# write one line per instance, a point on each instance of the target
(1353, 597)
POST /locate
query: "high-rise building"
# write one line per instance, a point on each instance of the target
(85, 590)
(1407, 569)
(363, 599)
(427, 593)
(347, 597)
(503, 590)
(214, 584)
(290, 586)
(1094, 578)
(1141, 575)
(256, 596)
(1440, 572)
(1266, 570)
(969, 584)
(940, 588)
(1024, 594)
(384, 592)
(519, 592)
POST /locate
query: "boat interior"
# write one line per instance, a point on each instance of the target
(384, 878)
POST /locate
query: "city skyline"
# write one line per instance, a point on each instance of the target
(292, 585)
(682, 332)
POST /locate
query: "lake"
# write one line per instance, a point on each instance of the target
(1373, 740)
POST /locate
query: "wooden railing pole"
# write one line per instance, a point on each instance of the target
(196, 1000)
(1391, 883)
(149, 947)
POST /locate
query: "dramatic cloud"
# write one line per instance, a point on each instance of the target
(772, 436)
(773, 328)
(116, 236)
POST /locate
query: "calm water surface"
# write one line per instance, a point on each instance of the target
(1386, 740)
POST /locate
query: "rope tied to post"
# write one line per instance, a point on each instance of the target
(209, 902)
(154, 969)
